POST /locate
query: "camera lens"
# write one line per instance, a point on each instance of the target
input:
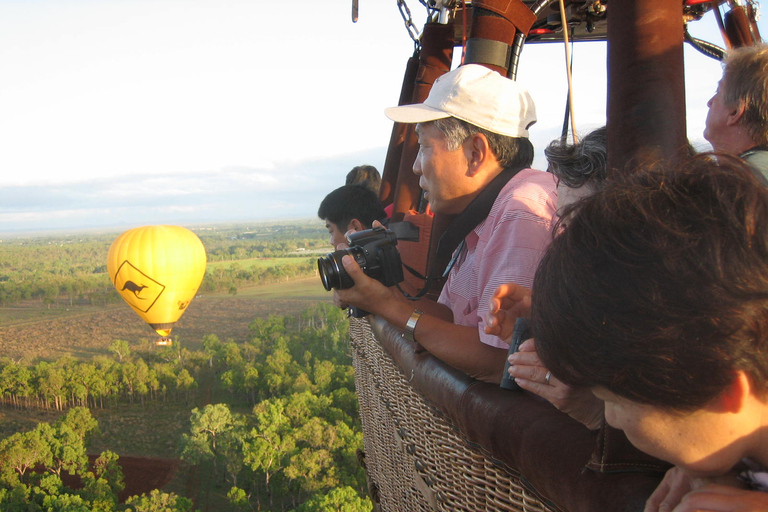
(332, 272)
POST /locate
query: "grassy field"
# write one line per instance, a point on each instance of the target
(34, 331)
(307, 288)
(261, 262)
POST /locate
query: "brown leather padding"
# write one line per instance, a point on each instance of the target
(499, 20)
(614, 454)
(434, 60)
(389, 174)
(496, 29)
(514, 11)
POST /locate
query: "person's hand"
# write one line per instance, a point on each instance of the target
(723, 498)
(338, 301)
(530, 374)
(508, 302)
(367, 293)
(670, 492)
(681, 492)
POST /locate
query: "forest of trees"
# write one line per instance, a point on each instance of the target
(73, 269)
(300, 440)
(281, 430)
(101, 382)
(33, 466)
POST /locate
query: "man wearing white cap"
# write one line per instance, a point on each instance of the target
(473, 162)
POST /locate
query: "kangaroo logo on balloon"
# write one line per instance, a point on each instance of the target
(135, 288)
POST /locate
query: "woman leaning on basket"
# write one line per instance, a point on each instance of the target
(580, 170)
(655, 297)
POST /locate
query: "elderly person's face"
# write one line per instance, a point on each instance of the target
(442, 173)
(705, 442)
(716, 119)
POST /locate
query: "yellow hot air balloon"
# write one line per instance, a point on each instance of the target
(157, 270)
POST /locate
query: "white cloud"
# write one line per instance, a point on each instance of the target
(149, 111)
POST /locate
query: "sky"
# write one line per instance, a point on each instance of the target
(121, 113)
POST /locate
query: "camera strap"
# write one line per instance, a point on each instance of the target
(452, 240)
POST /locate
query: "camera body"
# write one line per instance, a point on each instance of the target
(374, 250)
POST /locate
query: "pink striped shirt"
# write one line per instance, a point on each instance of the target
(506, 247)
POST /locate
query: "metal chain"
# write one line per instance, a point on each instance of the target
(405, 12)
(433, 7)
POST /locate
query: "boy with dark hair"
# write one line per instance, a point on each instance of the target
(349, 207)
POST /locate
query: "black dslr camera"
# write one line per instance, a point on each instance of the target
(374, 250)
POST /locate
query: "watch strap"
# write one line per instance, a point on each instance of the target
(410, 325)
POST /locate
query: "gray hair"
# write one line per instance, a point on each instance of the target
(509, 151)
(745, 77)
(578, 164)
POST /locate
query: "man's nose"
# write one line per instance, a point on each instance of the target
(417, 164)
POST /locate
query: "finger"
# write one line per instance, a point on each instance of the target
(528, 345)
(510, 295)
(338, 302)
(669, 492)
(708, 499)
(493, 319)
(516, 307)
(670, 498)
(723, 490)
(377, 224)
(532, 373)
(538, 388)
(352, 268)
(511, 291)
(504, 290)
(526, 359)
(659, 496)
(497, 324)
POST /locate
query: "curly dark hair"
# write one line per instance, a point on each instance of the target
(575, 165)
(658, 288)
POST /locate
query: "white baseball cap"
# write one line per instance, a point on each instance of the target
(477, 95)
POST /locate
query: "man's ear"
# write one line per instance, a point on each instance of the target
(736, 113)
(734, 396)
(356, 225)
(478, 152)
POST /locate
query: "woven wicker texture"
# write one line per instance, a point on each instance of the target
(417, 460)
